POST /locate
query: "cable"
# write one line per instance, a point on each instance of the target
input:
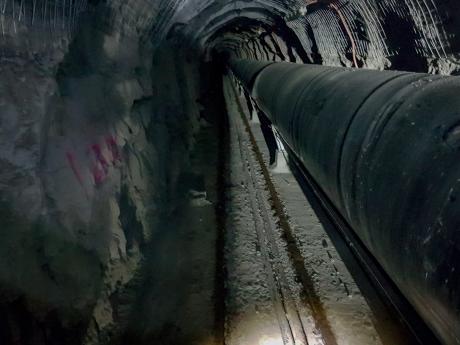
(349, 33)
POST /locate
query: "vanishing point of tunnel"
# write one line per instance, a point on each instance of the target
(229, 172)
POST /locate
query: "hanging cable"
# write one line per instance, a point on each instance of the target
(349, 33)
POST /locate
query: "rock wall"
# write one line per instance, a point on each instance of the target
(95, 130)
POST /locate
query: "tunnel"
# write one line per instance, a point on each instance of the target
(229, 172)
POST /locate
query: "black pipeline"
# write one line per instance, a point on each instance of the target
(385, 148)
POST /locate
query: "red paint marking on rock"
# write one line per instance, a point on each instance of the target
(96, 148)
(113, 148)
(73, 165)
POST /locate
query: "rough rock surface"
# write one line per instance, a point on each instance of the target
(95, 134)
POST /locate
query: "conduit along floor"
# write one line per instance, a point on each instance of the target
(285, 281)
(244, 259)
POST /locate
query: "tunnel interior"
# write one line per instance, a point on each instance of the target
(141, 198)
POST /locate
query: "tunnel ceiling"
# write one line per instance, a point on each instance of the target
(375, 34)
(380, 34)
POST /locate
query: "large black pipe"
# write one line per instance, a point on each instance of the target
(385, 148)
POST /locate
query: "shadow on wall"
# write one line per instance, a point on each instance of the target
(401, 40)
(45, 279)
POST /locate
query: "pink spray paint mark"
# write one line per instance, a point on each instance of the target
(73, 164)
(113, 148)
(98, 174)
(100, 157)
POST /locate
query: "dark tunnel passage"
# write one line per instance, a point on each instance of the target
(249, 172)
